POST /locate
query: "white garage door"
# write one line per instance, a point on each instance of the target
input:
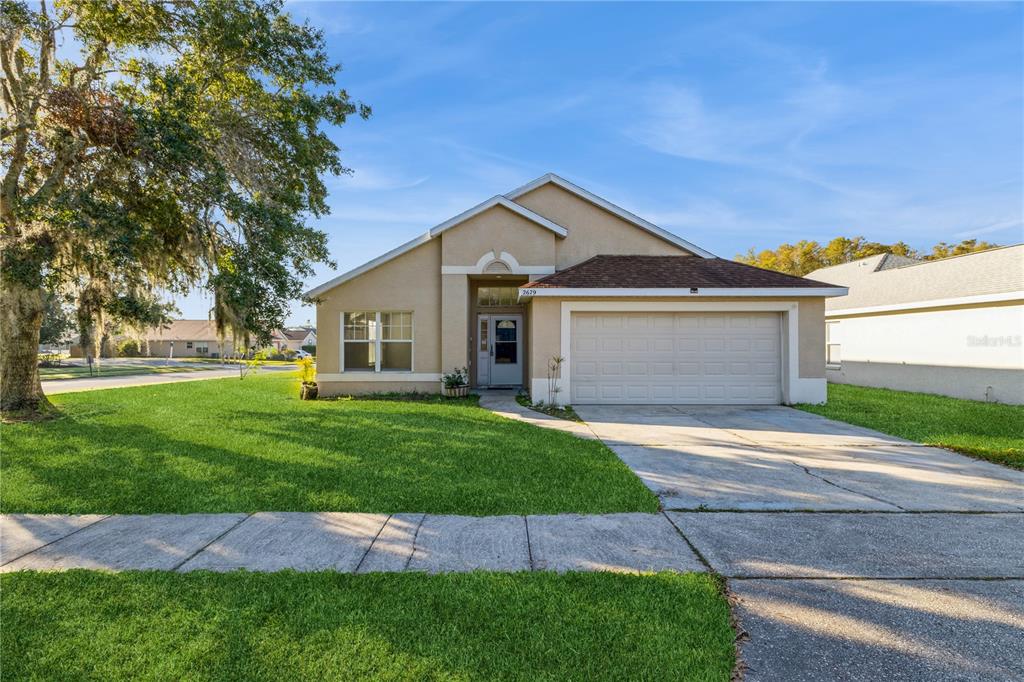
(675, 358)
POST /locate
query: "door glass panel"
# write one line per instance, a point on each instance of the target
(505, 330)
(505, 342)
(483, 335)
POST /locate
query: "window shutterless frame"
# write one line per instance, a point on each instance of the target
(378, 342)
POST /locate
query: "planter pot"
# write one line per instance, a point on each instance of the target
(309, 391)
(456, 391)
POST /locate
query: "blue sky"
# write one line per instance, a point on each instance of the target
(733, 125)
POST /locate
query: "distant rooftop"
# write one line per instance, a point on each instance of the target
(887, 279)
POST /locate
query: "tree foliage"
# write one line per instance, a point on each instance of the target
(183, 145)
(807, 256)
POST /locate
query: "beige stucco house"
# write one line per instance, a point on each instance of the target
(638, 314)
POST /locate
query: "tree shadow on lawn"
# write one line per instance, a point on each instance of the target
(383, 459)
(401, 626)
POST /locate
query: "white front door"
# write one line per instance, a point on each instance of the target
(500, 354)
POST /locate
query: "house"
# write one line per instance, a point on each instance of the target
(638, 314)
(178, 338)
(185, 339)
(951, 326)
(294, 338)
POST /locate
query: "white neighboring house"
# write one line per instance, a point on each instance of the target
(950, 326)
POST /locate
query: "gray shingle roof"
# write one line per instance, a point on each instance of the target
(668, 272)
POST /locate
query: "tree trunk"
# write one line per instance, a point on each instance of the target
(21, 316)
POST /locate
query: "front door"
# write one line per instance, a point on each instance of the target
(500, 359)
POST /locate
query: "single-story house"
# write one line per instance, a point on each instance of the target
(951, 326)
(637, 314)
(185, 338)
(293, 338)
(179, 339)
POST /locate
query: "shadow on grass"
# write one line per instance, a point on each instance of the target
(398, 626)
(234, 448)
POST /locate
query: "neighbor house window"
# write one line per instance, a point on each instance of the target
(203, 348)
(495, 296)
(188, 344)
(832, 355)
(377, 342)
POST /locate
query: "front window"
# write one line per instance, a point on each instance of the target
(377, 342)
(832, 348)
(489, 297)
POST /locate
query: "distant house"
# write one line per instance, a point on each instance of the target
(179, 339)
(294, 338)
(950, 326)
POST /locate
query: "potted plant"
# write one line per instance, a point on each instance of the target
(307, 374)
(456, 383)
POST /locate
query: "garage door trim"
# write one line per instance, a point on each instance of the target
(794, 388)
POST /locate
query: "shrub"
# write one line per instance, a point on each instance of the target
(311, 349)
(306, 371)
(129, 348)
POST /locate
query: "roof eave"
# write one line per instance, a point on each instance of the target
(526, 291)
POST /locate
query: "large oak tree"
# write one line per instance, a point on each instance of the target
(152, 146)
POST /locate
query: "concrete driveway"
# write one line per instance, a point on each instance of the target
(781, 459)
(850, 554)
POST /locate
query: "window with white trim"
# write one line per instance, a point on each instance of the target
(832, 348)
(374, 341)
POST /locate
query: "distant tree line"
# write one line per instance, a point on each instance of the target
(807, 256)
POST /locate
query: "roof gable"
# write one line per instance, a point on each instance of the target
(439, 229)
(635, 220)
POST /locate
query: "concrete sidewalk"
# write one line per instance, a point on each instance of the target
(346, 542)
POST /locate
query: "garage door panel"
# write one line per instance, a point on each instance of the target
(675, 358)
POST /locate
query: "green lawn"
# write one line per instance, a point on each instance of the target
(112, 370)
(233, 445)
(986, 430)
(84, 625)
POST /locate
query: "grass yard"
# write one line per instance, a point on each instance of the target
(231, 445)
(287, 626)
(986, 430)
(77, 371)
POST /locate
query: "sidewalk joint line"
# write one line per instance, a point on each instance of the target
(77, 530)
(174, 569)
(529, 547)
(372, 543)
(692, 546)
(415, 536)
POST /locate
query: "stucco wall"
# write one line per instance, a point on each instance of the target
(498, 229)
(411, 282)
(592, 230)
(969, 383)
(335, 388)
(984, 337)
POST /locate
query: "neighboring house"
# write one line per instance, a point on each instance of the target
(294, 339)
(950, 326)
(179, 339)
(638, 314)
